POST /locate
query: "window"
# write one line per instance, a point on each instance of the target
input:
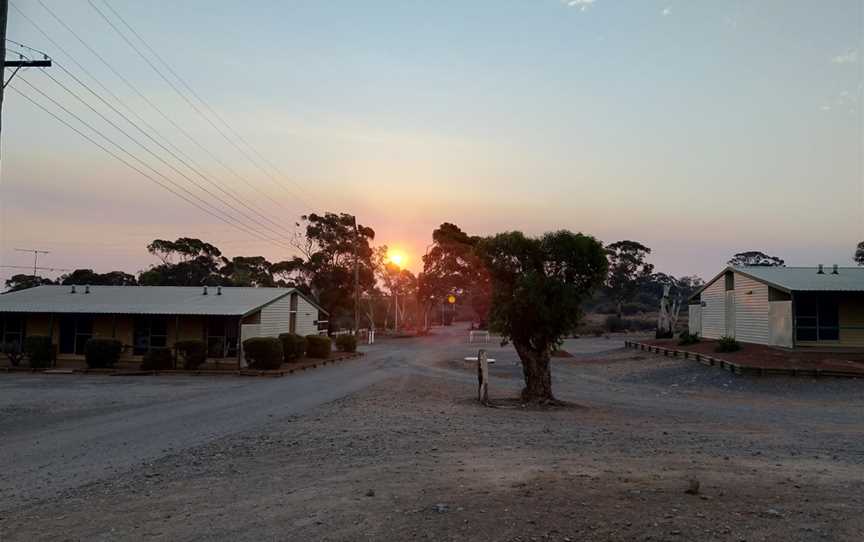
(730, 281)
(222, 337)
(292, 321)
(75, 331)
(150, 332)
(817, 317)
(12, 329)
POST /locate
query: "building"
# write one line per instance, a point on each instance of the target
(145, 317)
(782, 306)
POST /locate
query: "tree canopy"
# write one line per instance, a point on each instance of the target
(859, 254)
(538, 286)
(755, 258)
(627, 270)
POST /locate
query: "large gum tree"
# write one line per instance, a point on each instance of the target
(538, 285)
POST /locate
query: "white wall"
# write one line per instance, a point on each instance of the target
(694, 319)
(780, 323)
(275, 317)
(307, 315)
(714, 311)
(751, 310)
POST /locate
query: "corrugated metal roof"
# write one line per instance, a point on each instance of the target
(807, 279)
(181, 300)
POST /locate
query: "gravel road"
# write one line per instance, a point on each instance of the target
(392, 447)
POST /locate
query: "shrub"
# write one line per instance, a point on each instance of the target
(263, 352)
(686, 338)
(318, 346)
(293, 346)
(346, 343)
(664, 334)
(100, 353)
(158, 359)
(629, 309)
(193, 353)
(13, 353)
(39, 350)
(728, 344)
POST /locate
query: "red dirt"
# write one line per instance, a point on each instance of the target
(768, 357)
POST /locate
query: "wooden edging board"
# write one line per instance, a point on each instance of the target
(737, 368)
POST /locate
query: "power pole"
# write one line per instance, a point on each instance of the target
(22, 62)
(36, 252)
(356, 278)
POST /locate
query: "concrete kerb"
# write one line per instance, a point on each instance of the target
(203, 372)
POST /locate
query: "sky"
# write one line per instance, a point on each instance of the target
(699, 128)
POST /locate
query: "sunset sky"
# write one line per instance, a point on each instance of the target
(699, 128)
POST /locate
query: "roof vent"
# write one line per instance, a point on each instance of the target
(219, 288)
(87, 289)
(205, 291)
(835, 270)
(820, 271)
(72, 291)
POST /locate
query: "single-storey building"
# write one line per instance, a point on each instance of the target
(782, 306)
(145, 317)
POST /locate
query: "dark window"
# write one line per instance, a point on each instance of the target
(75, 331)
(817, 317)
(730, 281)
(150, 332)
(222, 337)
(12, 330)
(292, 320)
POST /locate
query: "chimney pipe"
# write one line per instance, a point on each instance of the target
(87, 289)
(835, 270)
(218, 290)
(72, 291)
(820, 271)
(205, 291)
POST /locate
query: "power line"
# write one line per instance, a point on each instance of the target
(196, 169)
(182, 95)
(177, 193)
(145, 147)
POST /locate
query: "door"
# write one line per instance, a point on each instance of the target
(730, 313)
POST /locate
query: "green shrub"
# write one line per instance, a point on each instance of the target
(629, 309)
(263, 352)
(613, 323)
(728, 344)
(13, 353)
(193, 353)
(293, 346)
(346, 343)
(686, 338)
(664, 334)
(40, 351)
(318, 346)
(158, 359)
(101, 353)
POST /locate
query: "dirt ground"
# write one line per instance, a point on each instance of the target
(415, 458)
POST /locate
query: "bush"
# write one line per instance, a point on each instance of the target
(346, 343)
(664, 334)
(101, 353)
(613, 323)
(293, 346)
(40, 351)
(13, 352)
(193, 353)
(263, 353)
(629, 309)
(158, 359)
(318, 346)
(686, 338)
(728, 344)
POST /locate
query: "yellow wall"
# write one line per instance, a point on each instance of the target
(851, 321)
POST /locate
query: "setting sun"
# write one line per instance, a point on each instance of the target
(396, 257)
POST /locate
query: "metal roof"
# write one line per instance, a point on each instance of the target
(800, 279)
(173, 300)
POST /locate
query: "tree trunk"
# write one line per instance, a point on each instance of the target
(537, 373)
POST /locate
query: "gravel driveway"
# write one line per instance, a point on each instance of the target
(393, 447)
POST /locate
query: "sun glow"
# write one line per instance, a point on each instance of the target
(397, 258)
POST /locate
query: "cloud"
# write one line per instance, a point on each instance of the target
(666, 11)
(849, 57)
(582, 5)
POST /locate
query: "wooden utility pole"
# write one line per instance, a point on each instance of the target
(22, 62)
